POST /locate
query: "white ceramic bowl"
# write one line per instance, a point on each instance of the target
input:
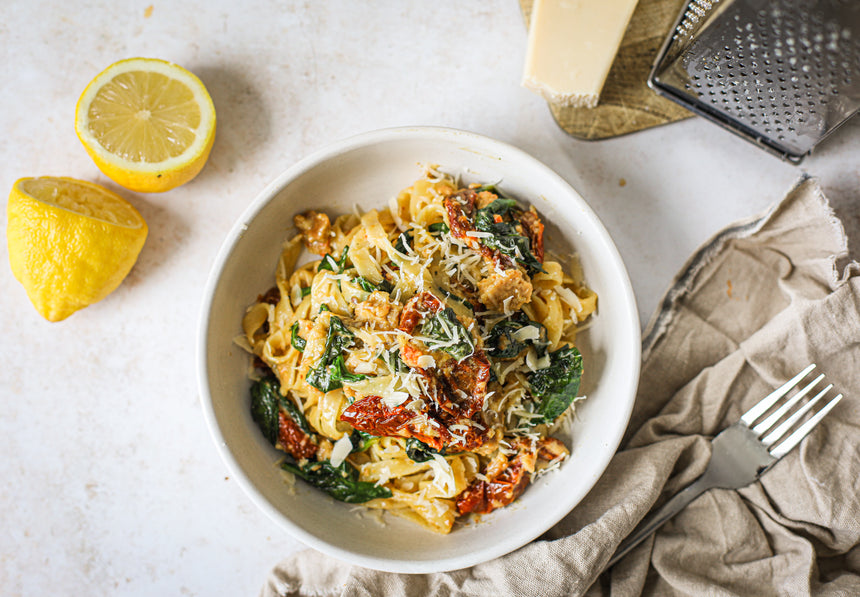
(367, 170)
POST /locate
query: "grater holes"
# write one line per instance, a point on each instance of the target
(773, 65)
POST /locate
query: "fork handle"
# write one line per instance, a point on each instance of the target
(658, 518)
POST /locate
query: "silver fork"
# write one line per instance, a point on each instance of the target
(744, 452)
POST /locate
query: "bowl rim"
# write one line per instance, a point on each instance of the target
(234, 235)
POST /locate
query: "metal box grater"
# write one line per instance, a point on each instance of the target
(783, 74)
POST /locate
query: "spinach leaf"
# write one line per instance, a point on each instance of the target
(306, 291)
(361, 440)
(489, 187)
(331, 370)
(337, 266)
(265, 399)
(296, 415)
(443, 331)
(368, 286)
(459, 299)
(418, 451)
(438, 228)
(297, 341)
(340, 482)
(500, 206)
(502, 344)
(394, 362)
(404, 241)
(557, 385)
(341, 373)
(365, 284)
(504, 236)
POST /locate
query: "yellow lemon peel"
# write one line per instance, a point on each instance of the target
(71, 242)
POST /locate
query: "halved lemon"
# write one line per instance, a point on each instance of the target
(71, 242)
(147, 123)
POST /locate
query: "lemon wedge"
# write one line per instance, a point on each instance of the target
(148, 124)
(70, 242)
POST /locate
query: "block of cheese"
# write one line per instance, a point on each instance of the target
(571, 46)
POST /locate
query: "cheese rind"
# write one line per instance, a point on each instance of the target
(571, 47)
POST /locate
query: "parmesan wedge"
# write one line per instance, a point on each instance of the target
(571, 46)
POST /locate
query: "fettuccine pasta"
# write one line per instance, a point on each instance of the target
(419, 366)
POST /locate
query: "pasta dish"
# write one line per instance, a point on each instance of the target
(421, 362)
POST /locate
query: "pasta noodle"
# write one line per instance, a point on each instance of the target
(417, 366)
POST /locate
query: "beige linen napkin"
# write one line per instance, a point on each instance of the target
(751, 308)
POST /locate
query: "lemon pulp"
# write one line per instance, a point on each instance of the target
(82, 199)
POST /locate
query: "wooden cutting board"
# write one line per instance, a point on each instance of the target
(627, 104)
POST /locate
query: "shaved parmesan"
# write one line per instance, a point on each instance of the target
(396, 398)
(443, 476)
(426, 361)
(478, 234)
(568, 296)
(529, 332)
(534, 363)
(417, 405)
(340, 451)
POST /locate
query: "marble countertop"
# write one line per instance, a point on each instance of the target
(111, 482)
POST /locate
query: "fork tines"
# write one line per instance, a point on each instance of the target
(775, 433)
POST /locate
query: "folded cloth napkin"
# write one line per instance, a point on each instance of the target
(755, 305)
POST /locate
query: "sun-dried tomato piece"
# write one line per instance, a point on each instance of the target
(472, 439)
(473, 498)
(465, 382)
(533, 227)
(293, 439)
(373, 416)
(502, 487)
(461, 209)
(416, 308)
(272, 296)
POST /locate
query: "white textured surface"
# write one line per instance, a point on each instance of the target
(111, 484)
